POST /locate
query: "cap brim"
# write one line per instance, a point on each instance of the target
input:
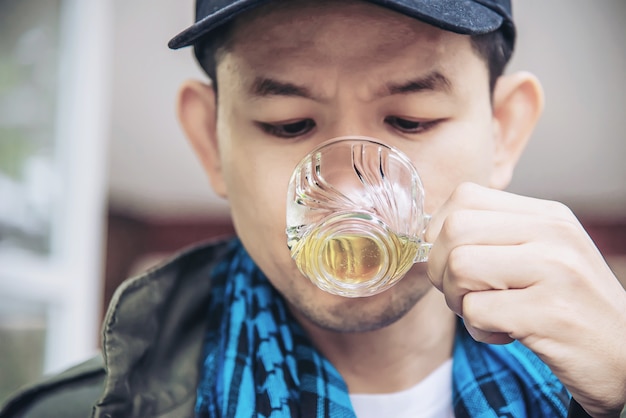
(467, 17)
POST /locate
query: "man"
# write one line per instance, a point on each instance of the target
(234, 330)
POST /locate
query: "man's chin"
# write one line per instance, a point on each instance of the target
(365, 314)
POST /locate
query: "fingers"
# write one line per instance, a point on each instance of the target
(488, 337)
(498, 316)
(525, 269)
(474, 268)
(503, 242)
(470, 196)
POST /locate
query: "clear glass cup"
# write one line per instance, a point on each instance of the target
(355, 216)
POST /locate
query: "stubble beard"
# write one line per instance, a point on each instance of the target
(359, 315)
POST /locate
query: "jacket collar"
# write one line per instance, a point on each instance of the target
(153, 337)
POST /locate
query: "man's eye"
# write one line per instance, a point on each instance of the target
(289, 130)
(408, 126)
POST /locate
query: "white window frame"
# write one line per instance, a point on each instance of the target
(69, 280)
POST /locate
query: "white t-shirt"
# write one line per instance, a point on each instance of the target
(430, 398)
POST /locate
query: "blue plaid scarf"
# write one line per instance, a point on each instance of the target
(259, 362)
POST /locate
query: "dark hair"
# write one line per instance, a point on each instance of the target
(495, 48)
(209, 52)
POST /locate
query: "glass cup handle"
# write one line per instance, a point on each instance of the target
(423, 249)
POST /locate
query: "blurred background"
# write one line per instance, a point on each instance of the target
(97, 182)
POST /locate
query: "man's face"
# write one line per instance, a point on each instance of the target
(301, 73)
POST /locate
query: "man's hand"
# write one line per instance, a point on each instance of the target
(520, 268)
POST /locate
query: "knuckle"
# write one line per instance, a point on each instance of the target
(434, 275)
(568, 228)
(557, 258)
(465, 192)
(460, 261)
(470, 311)
(572, 270)
(561, 210)
(454, 303)
(454, 223)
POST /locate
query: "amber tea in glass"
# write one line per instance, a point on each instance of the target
(355, 216)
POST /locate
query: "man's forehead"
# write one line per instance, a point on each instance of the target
(311, 77)
(289, 49)
(345, 32)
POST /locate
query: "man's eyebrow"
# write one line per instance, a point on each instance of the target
(434, 81)
(264, 87)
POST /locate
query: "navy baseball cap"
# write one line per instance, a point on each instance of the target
(467, 17)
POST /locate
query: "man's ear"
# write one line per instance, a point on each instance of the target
(197, 113)
(517, 105)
